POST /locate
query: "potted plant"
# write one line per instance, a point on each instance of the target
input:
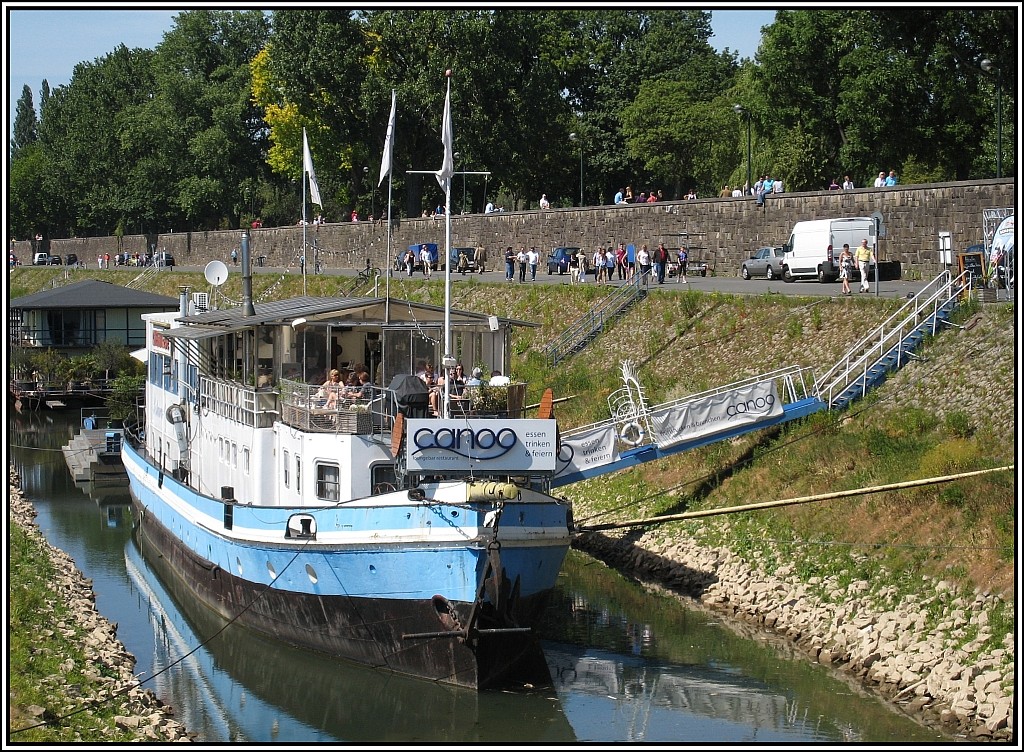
(489, 400)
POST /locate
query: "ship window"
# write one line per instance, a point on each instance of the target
(234, 454)
(383, 478)
(328, 482)
(286, 460)
(298, 474)
(245, 460)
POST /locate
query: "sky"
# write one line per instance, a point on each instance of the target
(47, 43)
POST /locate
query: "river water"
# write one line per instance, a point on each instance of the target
(628, 665)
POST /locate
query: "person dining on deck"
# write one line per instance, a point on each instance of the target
(332, 388)
(361, 390)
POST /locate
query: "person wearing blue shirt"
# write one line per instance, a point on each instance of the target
(891, 180)
(618, 197)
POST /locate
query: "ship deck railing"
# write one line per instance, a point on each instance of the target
(305, 407)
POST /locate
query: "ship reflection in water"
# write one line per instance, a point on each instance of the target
(626, 681)
(244, 687)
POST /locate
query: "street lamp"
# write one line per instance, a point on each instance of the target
(741, 110)
(987, 66)
(574, 137)
(373, 193)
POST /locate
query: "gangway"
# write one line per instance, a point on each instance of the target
(636, 433)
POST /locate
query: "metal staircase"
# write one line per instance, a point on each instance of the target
(889, 346)
(591, 324)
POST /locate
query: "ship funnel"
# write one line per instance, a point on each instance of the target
(183, 291)
(247, 306)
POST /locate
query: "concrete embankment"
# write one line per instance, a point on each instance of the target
(937, 672)
(146, 716)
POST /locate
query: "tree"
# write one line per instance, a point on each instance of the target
(87, 162)
(203, 117)
(856, 92)
(680, 138)
(25, 123)
(27, 194)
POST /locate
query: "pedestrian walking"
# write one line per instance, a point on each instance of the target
(845, 268)
(865, 256)
(510, 264)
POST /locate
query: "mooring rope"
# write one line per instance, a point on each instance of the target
(789, 502)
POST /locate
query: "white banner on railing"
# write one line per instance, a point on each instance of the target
(586, 450)
(721, 412)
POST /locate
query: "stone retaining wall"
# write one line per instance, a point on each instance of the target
(722, 231)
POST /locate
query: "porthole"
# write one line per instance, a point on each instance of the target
(373, 569)
(311, 573)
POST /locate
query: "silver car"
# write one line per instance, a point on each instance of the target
(766, 262)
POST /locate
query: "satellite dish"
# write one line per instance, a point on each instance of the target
(216, 273)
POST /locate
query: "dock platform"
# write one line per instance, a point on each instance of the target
(95, 454)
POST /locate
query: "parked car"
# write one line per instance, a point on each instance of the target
(472, 263)
(164, 259)
(56, 260)
(766, 262)
(815, 244)
(562, 260)
(41, 259)
(72, 259)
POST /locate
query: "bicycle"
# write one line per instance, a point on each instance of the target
(369, 273)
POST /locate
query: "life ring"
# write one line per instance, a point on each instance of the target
(632, 434)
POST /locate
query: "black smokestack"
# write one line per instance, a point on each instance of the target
(247, 307)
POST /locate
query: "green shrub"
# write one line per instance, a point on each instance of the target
(958, 423)
(949, 457)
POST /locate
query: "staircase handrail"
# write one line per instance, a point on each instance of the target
(889, 335)
(595, 319)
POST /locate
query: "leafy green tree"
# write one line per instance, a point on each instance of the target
(679, 137)
(857, 92)
(202, 125)
(86, 160)
(26, 193)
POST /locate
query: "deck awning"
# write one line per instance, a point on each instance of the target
(198, 332)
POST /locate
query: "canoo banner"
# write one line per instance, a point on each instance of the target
(586, 450)
(721, 412)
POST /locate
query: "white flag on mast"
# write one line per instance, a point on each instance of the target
(389, 142)
(307, 165)
(444, 175)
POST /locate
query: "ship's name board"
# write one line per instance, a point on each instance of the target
(159, 341)
(516, 446)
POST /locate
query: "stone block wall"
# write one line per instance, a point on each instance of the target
(722, 231)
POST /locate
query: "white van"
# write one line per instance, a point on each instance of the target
(41, 259)
(814, 246)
